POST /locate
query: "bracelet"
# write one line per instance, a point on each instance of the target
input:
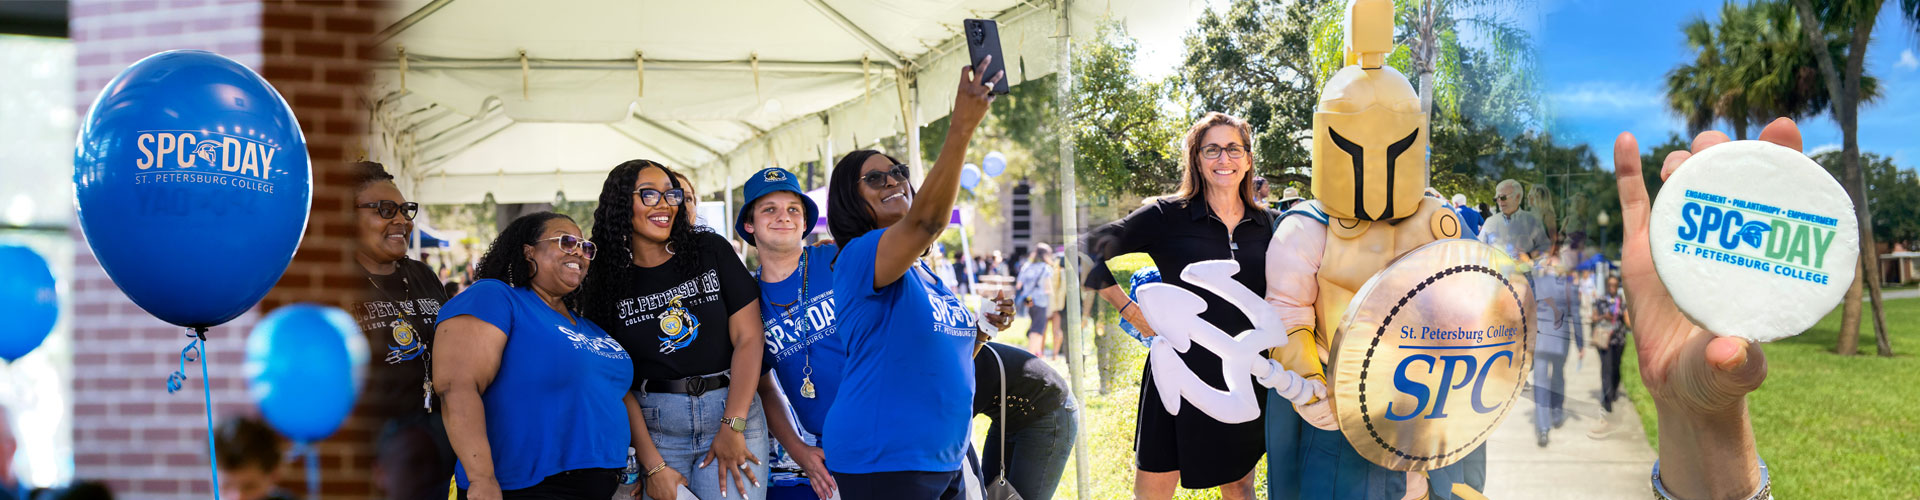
(1766, 483)
(1123, 309)
(663, 466)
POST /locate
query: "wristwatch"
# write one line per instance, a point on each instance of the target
(738, 424)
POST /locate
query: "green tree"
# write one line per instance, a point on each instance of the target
(1123, 138)
(1750, 66)
(1846, 85)
(1893, 192)
(1255, 60)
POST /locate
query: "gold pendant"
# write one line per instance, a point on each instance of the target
(806, 387)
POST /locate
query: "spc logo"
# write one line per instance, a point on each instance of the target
(1447, 364)
(1754, 235)
(189, 150)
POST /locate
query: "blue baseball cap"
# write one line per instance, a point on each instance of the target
(769, 181)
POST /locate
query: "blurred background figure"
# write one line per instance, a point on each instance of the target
(249, 453)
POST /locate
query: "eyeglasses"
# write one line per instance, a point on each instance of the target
(878, 179)
(1212, 152)
(1503, 197)
(387, 208)
(573, 244)
(651, 197)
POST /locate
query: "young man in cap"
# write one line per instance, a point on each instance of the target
(796, 304)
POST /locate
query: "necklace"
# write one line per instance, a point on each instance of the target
(786, 314)
(406, 332)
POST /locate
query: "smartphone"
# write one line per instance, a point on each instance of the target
(682, 493)
(983, 39)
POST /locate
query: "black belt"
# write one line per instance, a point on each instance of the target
(691, 386)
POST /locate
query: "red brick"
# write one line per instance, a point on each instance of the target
(319, 48)
(348, 23)
(89, 409)
(287, 21)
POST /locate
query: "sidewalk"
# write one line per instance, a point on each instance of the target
(1572, 465)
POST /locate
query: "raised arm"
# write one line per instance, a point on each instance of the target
(906, 239)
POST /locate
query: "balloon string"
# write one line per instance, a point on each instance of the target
(196, 350)
(312, 455)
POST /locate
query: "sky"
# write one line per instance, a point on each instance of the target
(1603, 67)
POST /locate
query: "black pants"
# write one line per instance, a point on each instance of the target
(1610, 376)
(577, 484)
(906, 485)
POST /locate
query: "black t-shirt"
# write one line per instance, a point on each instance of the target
(1033, 390)
(397, 312)
(674, 325)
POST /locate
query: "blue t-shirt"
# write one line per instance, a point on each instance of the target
(542, 419)
(907, 399)
(803, 335)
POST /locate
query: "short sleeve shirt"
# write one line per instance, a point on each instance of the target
(676, 324)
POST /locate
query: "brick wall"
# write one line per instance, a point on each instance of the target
(128, 430)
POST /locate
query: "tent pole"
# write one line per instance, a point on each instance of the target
(1069, 231)
(913, 130)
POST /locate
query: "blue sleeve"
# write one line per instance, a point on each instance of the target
(853, 269)
(487, 300)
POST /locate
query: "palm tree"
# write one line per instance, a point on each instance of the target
(1846, 89)
(1693, 89)
(1431, 29)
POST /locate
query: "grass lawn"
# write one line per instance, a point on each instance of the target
(1831, 426)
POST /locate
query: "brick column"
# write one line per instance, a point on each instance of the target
(128, 431)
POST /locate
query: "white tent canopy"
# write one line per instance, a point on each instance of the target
(524, 100)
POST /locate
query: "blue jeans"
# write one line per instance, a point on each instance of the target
(683, 428)
(1036, 454)
(1306, 462)
(1549, 390)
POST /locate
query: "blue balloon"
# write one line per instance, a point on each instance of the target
(994, 164)
(969, 176)
(192, 185)
(305, 364)
(27, 296)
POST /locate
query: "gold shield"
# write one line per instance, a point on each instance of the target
(1432, 354)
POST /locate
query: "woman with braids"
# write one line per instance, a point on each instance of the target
(898, 428)
(536, 395)
(689, 312)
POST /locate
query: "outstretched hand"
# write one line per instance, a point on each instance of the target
(1698, 380)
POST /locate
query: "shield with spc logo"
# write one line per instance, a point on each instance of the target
(1432, 354)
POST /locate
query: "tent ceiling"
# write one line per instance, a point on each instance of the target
(729, 87)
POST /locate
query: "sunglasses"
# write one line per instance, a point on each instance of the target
(573, 244)
(387, 208)
(1212, 152)
(651, 197)
(878, 179)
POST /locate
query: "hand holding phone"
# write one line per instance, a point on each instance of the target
(983, 39)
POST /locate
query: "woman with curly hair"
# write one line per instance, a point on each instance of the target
(680, 300)
(521, 427)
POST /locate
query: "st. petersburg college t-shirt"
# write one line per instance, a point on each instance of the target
(397, 313)
(675, 324)
(555, 404)
(907, 399)
(801, 341)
